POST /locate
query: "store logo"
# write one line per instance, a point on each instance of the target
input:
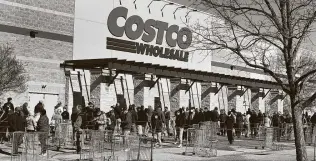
(148, 31)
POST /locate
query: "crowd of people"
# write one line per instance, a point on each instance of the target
(16, 120)
(141, 121)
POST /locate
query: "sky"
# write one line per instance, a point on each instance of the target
(310, 44)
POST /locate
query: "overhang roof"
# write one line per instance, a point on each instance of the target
(127, 66)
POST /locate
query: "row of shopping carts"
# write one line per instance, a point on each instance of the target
(202, 140)
(95, 145)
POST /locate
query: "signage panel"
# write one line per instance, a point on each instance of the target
(138, 32)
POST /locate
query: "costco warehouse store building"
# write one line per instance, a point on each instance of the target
(132, 52)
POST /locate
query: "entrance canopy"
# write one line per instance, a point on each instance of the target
(132, 67)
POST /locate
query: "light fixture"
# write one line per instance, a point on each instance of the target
(165, 6)
(174, 13)
(186, 19)
(150, 4)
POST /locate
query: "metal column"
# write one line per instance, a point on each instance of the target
(127, 89)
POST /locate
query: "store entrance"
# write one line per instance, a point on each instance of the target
(49, 100)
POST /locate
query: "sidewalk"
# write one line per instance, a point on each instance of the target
(241, 150)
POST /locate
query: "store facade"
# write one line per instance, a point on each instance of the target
(131, 32)
(154, 33)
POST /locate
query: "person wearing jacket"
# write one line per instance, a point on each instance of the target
(276, 124)
(191, 117)
(247, 124)
(222, 120)
(141, 120)
(37, 111)
(214, 115)
(254, 123)
(111, 125)
(180, 123)
(43, 129)
(57, 119)
(167, 117)
(74, 115)
(17, 124)
(157, 121)
(239, 124)
(9, 104)
(126, 125)
(267, 121)
(230, 126)
(150, 111)
(197, 118)
(134, 118)
(79, 124)
(100, 120)
(207, 114)
(65, 114)
(260, 118)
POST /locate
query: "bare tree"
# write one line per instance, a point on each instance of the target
(268, 35)
(12, 72)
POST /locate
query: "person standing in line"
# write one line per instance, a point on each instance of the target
(142, 120)
(9, 104)
(17, 123)
(180, 122)
(37, 111)
(267, 121)
(239, 123)
(30, 123)
(167, 117)
(134, 118)
(157, 120)
(222, 119)
(30, 128)
(65, 114)
(254, 124)
(100, 120)
(230, 125)
(207, 114)
(150, 111)
(112, 123)
(43, 129)
(80, 124)
(11, 120)
(247, 125)
(126, 126)
(276, 124)
(56, 119)
(75, 113)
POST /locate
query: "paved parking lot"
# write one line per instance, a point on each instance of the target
(241, 150)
